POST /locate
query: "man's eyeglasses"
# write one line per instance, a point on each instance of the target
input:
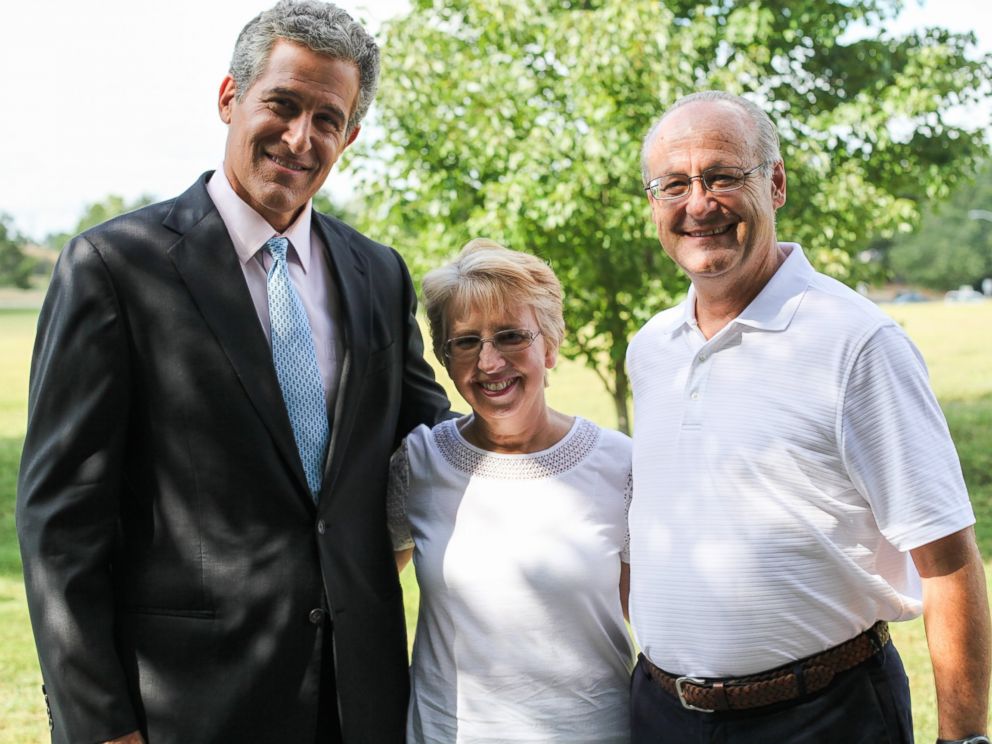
(719, 179)
(463, 348)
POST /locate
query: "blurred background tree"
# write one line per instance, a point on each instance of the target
(15, 267)
(96, 213)
(954, 243)
(523, 122)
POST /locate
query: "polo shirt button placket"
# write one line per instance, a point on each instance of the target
(694, 388)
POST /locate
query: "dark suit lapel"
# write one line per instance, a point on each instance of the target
(208, 264)
(351, 275)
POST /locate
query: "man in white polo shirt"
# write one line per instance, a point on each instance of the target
(796, 487)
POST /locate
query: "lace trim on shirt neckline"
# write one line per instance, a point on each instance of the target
(560, 458)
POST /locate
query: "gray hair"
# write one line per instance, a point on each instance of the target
(765, 143)
(319, 26)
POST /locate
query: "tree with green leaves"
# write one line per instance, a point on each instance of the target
(325, 203)
(954, 243)
(15, 267)
(96, 213)
(523, 122)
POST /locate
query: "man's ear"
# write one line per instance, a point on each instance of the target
(353, 136)
(225, 99)
(778, 184)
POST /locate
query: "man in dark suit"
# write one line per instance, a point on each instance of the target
(191, 575)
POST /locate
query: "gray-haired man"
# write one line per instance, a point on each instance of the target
(795, 485)
(217, 385)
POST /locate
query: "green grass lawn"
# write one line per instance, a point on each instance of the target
(953, 338)
(22, 710)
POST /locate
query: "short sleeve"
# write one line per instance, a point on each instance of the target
(897, 447)
(628, 495)
(396, 493)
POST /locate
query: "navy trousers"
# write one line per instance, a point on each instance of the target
(868, 704)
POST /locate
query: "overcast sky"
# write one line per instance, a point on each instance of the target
(120, 96)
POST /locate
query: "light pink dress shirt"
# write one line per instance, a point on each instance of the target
(309, 270)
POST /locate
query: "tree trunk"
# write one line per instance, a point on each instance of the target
(620, 390)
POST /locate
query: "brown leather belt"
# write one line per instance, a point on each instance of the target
(787, 682)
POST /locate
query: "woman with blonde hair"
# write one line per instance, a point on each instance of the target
(515, 515)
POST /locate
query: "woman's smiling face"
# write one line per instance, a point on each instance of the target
(501, 387)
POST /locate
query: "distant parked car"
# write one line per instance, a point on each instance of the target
(904, 297)
(964, 293)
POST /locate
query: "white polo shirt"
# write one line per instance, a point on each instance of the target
(781, 470)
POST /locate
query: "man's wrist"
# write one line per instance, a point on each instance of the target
(973, 739)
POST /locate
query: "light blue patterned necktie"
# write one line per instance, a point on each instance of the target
(295, 360)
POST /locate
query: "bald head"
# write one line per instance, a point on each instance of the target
(761, 137)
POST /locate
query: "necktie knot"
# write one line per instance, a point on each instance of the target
(277, 247)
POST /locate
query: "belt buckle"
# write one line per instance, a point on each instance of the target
(679, 681)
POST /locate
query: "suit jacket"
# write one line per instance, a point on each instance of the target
(176, 566)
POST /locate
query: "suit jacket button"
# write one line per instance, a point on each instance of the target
(317, 617)
(321, 527)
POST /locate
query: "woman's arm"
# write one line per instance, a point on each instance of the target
(624, 588)
(403, 557)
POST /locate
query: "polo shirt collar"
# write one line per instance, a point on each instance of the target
(249, 231)
(777, 302)
(775, 305)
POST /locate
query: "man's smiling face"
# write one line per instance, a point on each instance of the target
(287, 131)
(714, 234)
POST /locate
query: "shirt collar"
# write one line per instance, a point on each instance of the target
(249, 230)
(681, 316)
(776, 303)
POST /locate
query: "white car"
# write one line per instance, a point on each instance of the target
(964, 293)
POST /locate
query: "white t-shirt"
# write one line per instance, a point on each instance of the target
(521, 636)
(782, 471)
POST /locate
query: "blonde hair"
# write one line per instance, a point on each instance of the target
(488, 277)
